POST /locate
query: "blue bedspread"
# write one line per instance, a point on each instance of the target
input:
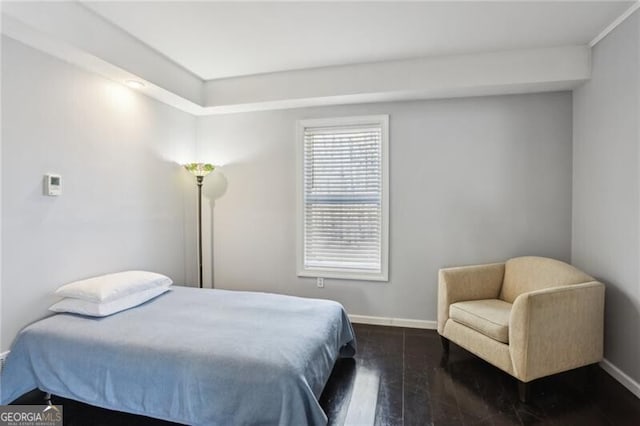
(200, 357)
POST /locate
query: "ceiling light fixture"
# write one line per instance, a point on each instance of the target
(135, 84)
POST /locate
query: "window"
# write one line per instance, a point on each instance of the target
(343, 207)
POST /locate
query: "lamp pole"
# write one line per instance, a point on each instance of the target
(199, 170)
(199, 180)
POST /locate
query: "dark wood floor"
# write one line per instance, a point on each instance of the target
(397, 378)
(417, 388)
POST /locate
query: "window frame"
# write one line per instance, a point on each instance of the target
(381, 120)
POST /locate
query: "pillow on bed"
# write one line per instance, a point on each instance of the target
(106, 288)
(93, 309)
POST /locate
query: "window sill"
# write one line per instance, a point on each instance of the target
(344, 275)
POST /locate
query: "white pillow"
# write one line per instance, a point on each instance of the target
(106, 288)
(93, 309)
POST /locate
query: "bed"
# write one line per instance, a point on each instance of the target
(192, 356)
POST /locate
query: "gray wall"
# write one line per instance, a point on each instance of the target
(125, 203)
(606, 187)
(472, 180)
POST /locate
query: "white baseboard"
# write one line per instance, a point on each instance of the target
(621, 376)
(393, 322)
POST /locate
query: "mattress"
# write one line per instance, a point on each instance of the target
(192, 356)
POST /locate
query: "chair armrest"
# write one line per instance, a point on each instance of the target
(467, 283)
(556, 329)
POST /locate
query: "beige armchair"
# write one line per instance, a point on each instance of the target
(531, 316)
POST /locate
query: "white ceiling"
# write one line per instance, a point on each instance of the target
(216, 40)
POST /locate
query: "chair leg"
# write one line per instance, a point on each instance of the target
(445, 345)
(524, 390)
(591, 374)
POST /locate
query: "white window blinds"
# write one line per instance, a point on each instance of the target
(343, 200)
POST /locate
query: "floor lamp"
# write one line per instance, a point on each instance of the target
(199, 170)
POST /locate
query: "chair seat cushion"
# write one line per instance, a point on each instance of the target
(489, 317)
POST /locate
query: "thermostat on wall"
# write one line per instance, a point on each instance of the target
(52, 184)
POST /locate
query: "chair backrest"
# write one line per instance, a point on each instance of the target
(530, 273)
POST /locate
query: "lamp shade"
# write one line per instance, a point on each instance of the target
(199, 169)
